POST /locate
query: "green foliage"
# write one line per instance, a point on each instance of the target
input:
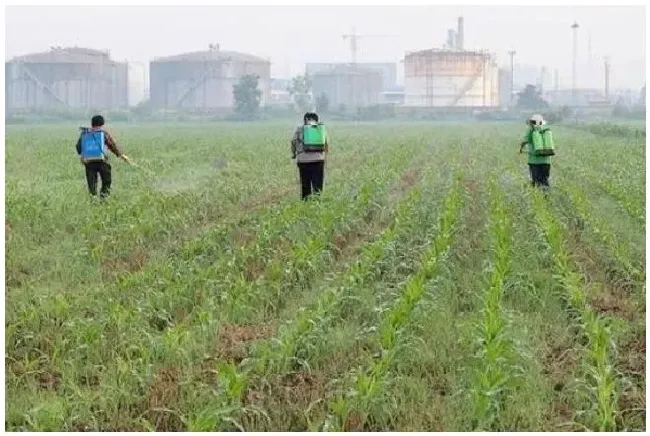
(300, 90)
(614, 130)
(376, 112)
(600, 381)
(531, 98)
(322, 103)
(496, 368)
(247, 97)
(368, 380)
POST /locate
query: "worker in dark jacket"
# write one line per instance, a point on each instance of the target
(92, 149)
(309, 147)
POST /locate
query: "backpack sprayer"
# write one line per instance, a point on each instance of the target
(541, 137)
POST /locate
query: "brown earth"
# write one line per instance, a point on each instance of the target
(163, 396)
(232, 340)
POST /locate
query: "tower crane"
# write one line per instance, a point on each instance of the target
(354, 41)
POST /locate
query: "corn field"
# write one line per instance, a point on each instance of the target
(429, 287)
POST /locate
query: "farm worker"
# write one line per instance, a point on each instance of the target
(538, 141)
(92, 150)
(309, 147)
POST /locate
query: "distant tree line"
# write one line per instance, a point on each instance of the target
(247, 99)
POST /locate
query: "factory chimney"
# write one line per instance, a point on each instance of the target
(460, 38)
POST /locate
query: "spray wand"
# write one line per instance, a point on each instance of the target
(128, 160)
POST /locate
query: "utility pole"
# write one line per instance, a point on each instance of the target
(607, 66)
(541, 79)
(512, 54)
(556, 86)
(574, 26)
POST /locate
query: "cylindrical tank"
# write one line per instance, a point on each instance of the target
(349, 85)
(66, 78)
(204, 80)
(450, 78)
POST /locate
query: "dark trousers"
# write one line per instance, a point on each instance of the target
(539, 174)
(311, 177)
(103, 170)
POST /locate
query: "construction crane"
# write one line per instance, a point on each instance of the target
(354, 38)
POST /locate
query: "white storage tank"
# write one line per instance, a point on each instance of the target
(66, 78)
(204, 80)
(451, 78)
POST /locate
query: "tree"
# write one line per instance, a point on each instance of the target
(300, 92)
(322, 103)
(144, 108)
(247, 97)
(621, 108)
(531, 98)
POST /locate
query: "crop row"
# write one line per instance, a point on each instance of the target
(287, 349)
(309, 253)
(634, 269)
(186, 270)
(127, 330)
(617, 185)
(295, 339)
(623, 181)
(600, 379)
(227, 254)
(367, 381)
(496, 354)
(291, 347)
(263, 271)
(612, 130)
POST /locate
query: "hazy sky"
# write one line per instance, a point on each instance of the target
(293, 35)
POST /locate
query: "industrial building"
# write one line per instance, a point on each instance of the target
(506, 96)
(348, 84)
(66, 78)
(387, 69)
(451, 76)
(204, 80)
(578, 98)
(280, 94)
(393, 95)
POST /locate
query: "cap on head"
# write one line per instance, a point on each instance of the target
(311, 116)
(97, 121)
(536, 120)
